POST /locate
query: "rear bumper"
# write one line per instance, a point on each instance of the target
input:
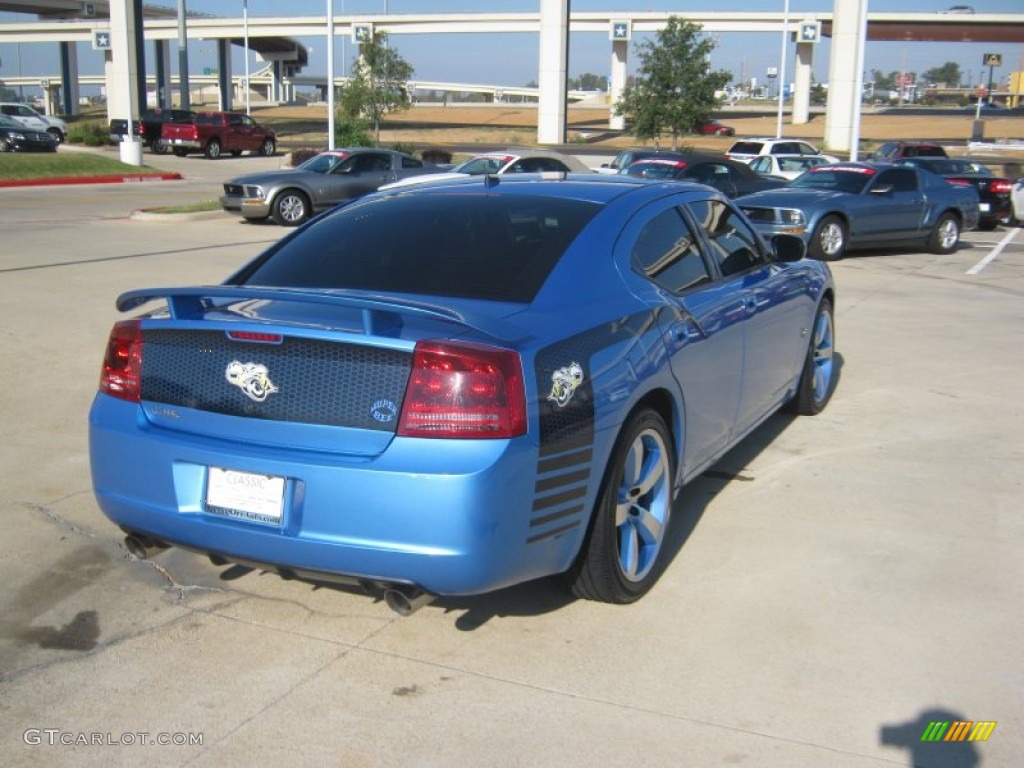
(449, 516)
(184, 143)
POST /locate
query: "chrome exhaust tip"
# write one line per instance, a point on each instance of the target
(405, 602)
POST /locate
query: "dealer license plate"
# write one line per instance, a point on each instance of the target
(243, 495)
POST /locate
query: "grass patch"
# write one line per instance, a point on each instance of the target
(44, 165)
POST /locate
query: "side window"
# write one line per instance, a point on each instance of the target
(235, 120)
(734, 245)
(666, 252)
(761, 164)
(886, 150)
(900, 179)
(411, 162)
(805, 149)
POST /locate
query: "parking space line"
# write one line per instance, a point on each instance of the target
(995, 253)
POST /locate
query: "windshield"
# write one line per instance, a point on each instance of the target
(852, 180)
(479, 166)
(322, 163)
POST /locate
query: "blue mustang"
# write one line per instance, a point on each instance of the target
(453, 388)
(835, 208)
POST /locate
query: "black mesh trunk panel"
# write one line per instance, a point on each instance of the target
(307, 381)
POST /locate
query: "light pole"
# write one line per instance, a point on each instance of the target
(184, 98)
(782, 68)
(245, 26)
(330, 74)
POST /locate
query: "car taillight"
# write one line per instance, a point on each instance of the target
(1001, 186)
(122, 363)
(463, 390)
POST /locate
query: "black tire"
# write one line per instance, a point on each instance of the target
(290, 208)
(55, 132)
(6, 145)
(820, 373)
(945, 234)
(623, 554)
(829, 241)
(179, 151)
(212, 150)
(159, 147)
(268, 147)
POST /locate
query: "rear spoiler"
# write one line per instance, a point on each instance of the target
(379, 313)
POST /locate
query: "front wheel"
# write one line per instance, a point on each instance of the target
(290, 208)
(268, 147)
(6, 145)
(212, 149)
(621, 557)
(56, 133)
(828, 243)
(945, 235)
(819, 375)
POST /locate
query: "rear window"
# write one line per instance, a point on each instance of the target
(746, 148)
(208, 118)
(492, 247)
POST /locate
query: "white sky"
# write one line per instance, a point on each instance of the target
(512, 59)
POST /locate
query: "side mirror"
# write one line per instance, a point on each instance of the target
(787, 248)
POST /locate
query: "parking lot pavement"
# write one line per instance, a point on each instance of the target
(838, 583)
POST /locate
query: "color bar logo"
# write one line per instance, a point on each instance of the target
(958, 730)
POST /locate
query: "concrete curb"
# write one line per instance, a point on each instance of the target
(118, 178)
(152, 214)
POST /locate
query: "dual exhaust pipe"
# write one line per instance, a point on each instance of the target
(403, 600)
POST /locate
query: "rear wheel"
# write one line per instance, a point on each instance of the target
(159, 147)
(945, 235)
(212, 150)
(291, 208)
(622, 555)
(818, 380)
(828, 243)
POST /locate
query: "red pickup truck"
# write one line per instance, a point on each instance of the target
(214, 133)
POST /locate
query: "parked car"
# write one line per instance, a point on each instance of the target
(24, 114)
(149, 127)
(894, 151)
(292, 196)
(1017, 202)
(836, 208)
(449, 389)
(786, 166)
(500, 163)
(745, 150)
(627, 157)
(713, 128)
(214, 133)
(993, 191)
(16, 137)
(727, 176)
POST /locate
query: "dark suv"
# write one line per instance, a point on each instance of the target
(894, 151)
(149, 127)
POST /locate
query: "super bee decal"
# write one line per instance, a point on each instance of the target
(252, 378)
(564, 383)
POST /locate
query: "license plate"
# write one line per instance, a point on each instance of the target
(984, 207)
(243, 495)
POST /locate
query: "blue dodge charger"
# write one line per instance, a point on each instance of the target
(454, 388)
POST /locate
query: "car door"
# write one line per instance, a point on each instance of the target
(897, 204)
(774, 312)
(702, 327)
(357, 175)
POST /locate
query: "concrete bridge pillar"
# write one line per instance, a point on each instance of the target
(842, 121)
(162, 55)
(69, 78)
(224, 74)
(553, 71)
(802, 83)
(617, 84)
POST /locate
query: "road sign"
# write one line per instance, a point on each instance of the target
(620, 30)
(362, 33)
(992, 60)
(101, 40)
(809, 32)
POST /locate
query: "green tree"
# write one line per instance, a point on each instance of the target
(379, 84)
(588, 81)
(674, 88)
(948, 74)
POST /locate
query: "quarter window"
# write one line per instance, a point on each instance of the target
(667, 253)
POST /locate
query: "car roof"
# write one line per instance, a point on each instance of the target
(590, 187)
